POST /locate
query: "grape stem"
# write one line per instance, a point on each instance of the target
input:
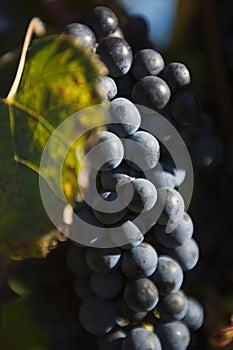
(36, 26)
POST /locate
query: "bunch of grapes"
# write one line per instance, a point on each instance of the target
(129, 263)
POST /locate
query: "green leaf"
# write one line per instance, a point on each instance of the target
(58, 80)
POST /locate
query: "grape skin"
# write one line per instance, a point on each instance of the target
(168, 276)
(141, 295)
(141, 339)
(140, 261)
(90, 311)
(116, 53)
(147, 62)
(152, 92)
(125, 118)
(103, 260)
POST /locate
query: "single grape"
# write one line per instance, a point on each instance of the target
(172, 307)
(152, 92)
(186, 255)
(147, 62)
(184, 107)
(194, 316)
(112, 340)
(144, 194)
(116, 54)
(102, 215)
(141, 295)
(141, 151)
(172, 205)
(103, 260)
(97, 316)
(140, 261)
(102, 21)
(82, 34)
(110, 151)
(176, 75)
(124, 116)
(173, 335)
(168, 276)
(106, 87)
(141, 339)
(125, 234)
(172, 238)
(107, 286)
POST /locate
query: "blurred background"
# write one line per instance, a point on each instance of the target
(199, 34)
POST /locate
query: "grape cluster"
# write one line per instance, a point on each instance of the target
(131, 293)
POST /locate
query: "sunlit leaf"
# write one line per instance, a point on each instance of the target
(58, 80)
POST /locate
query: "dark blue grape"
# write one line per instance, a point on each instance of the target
(142, 151)
(144, 194)
(173, 335)
(147, 62)
(140, 261)
(102, 215)
(172, 307)
(116, 54)
(194, 317)
(82, 34)
(172, 205)
(176, 75)
(82, 287)
(172, 238)
(207, 152)
(184, 107)
(106, 87)
(112, 340)
(126, 234)
(76, 260)
(108, 285)
(141, 295)
(125, 118)
(110, 151)
(103, 260)
(187, 255)
(110, 179)
(168, 276)
(102, 21)
(152, 92)
(141, 339)
(97, 316)
(127, 315)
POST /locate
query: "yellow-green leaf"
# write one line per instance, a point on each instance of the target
(58, 80)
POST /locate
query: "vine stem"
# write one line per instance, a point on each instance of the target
(36, 26)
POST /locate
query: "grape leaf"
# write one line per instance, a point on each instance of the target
(58, 80)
